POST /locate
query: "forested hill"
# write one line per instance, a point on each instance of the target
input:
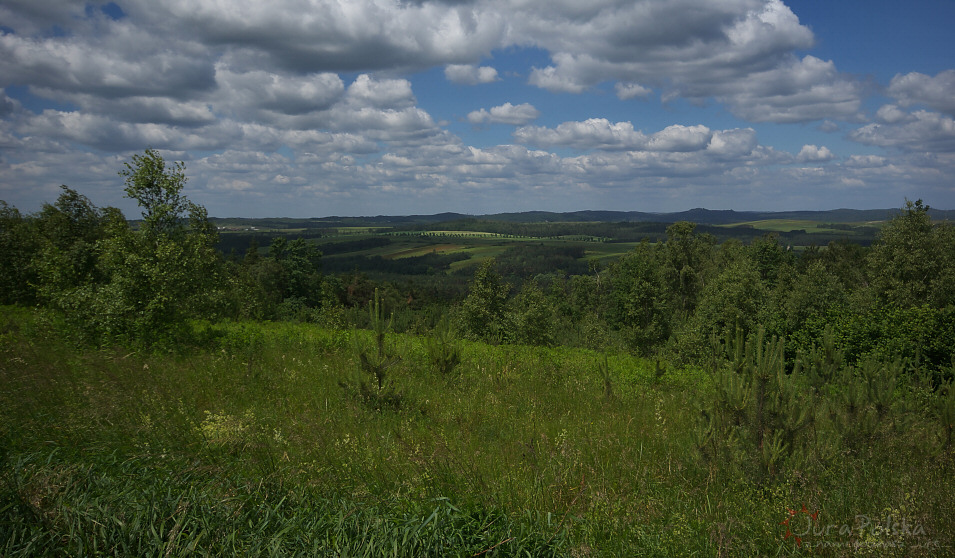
(713, 216)
(698, 215)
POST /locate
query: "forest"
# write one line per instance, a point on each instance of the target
(471, 386)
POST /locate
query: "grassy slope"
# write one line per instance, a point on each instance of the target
(253, 443)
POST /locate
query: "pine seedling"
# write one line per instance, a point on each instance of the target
(375, 364)
(822, 363)
(603, 369)
(444, 352)
(945, 406)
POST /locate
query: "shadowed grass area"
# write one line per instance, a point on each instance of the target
(249, 445)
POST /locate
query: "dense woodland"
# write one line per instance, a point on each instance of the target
(165, 392)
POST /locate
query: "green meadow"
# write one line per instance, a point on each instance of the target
(257, 443)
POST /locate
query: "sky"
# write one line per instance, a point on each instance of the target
(312, 108)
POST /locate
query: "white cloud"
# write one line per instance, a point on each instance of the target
(467, 74)
(680, 138)
(732, 143)
(324, 80)
(553, 79)
(740, 52)
(120, 62)
(933, 92)
(320, 36)
(892, 114)
(865, 161)
(627, 91)
(107, 134)
(594, 133)
(505, 114)
(924, 131)
(814, 154)
(795, 91)
(276, 93)
(386, 93)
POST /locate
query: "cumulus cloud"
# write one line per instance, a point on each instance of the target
(933, 92)
(105, 133)
(865, 161)
(814, 154)
(320, 36)
(892, 114)
(386, 93)
(680, 138)
(277, 93)
(121, 62)
(553, 79)
(924, 131)
(730, 144)
(229, 87)
(594, 133)
(599, 134)
(627, 91)
(467, 74)
(740, 52)
(7, 105)
(505, 114)
(798, 90)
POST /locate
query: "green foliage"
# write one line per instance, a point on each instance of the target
(688, 264)
(299, 273)
(913, 261)
(640, 298)
(373, 387)
(483, 314)
(444, 352)
(532, 318)
(945, 408)
(18, 244)
(769, 257)
(109, 282)
(158, 191)
(757, 415)
(732, 301)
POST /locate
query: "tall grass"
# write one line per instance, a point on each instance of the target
(250, 445)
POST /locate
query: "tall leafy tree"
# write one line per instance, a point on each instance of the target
(167, 270)
(532, 316)
(484, 311)
(913, 261)
(688, 264)
(70, 234)
(18, 245)
(640, 297)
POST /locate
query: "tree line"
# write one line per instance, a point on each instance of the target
(111, 282)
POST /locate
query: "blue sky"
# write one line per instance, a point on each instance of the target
(308, 108)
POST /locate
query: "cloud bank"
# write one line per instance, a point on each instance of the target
(310, 107)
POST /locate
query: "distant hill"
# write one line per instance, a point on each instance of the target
(698, 215)
(710, 216)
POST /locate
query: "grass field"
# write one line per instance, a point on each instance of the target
(426, 249)
(789, 225)
(257, 444)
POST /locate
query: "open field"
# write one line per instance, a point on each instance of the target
(426, 249)
(357, 242)
(789, 225)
